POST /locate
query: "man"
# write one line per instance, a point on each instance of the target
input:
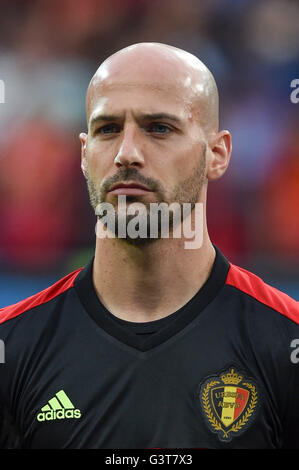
(152, 344)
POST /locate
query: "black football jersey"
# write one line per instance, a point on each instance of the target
(221, 372)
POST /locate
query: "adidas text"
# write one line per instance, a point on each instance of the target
(59, 414)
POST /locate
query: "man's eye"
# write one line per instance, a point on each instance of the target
(159, 128)
(108, 129)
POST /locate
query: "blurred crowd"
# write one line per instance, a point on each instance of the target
(49, 49)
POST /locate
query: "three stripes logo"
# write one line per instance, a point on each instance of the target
(59, 407)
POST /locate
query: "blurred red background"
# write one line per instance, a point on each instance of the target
(49, 50)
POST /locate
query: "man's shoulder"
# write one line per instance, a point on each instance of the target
(40, 298)
(263, 293)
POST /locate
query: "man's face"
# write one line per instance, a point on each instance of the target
(144, 131)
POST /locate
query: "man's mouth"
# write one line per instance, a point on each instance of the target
(129, 189)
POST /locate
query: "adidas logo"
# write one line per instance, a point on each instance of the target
(59, 407)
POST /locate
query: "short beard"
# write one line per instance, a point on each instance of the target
(187, 191)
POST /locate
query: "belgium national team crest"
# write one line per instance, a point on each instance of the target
(229, 402)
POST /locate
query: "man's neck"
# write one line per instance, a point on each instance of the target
(140, 284)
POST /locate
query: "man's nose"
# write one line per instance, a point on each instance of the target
(130, 150)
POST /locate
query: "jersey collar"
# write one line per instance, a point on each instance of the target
(182, 317)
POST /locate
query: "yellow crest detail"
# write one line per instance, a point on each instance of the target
(231, 377)
(228, 403)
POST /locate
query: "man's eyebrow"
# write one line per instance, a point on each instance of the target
(139, 117)
(157, 116)
(104, 118)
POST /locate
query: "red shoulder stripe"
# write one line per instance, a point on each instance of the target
(264, 293)
(41, 297)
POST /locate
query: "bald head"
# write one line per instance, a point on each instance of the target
(159, 67)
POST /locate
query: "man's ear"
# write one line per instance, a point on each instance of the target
(83, 139)
(220, 152)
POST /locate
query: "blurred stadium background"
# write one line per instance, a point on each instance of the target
(49, 49)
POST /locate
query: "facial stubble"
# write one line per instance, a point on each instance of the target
(186, 191)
